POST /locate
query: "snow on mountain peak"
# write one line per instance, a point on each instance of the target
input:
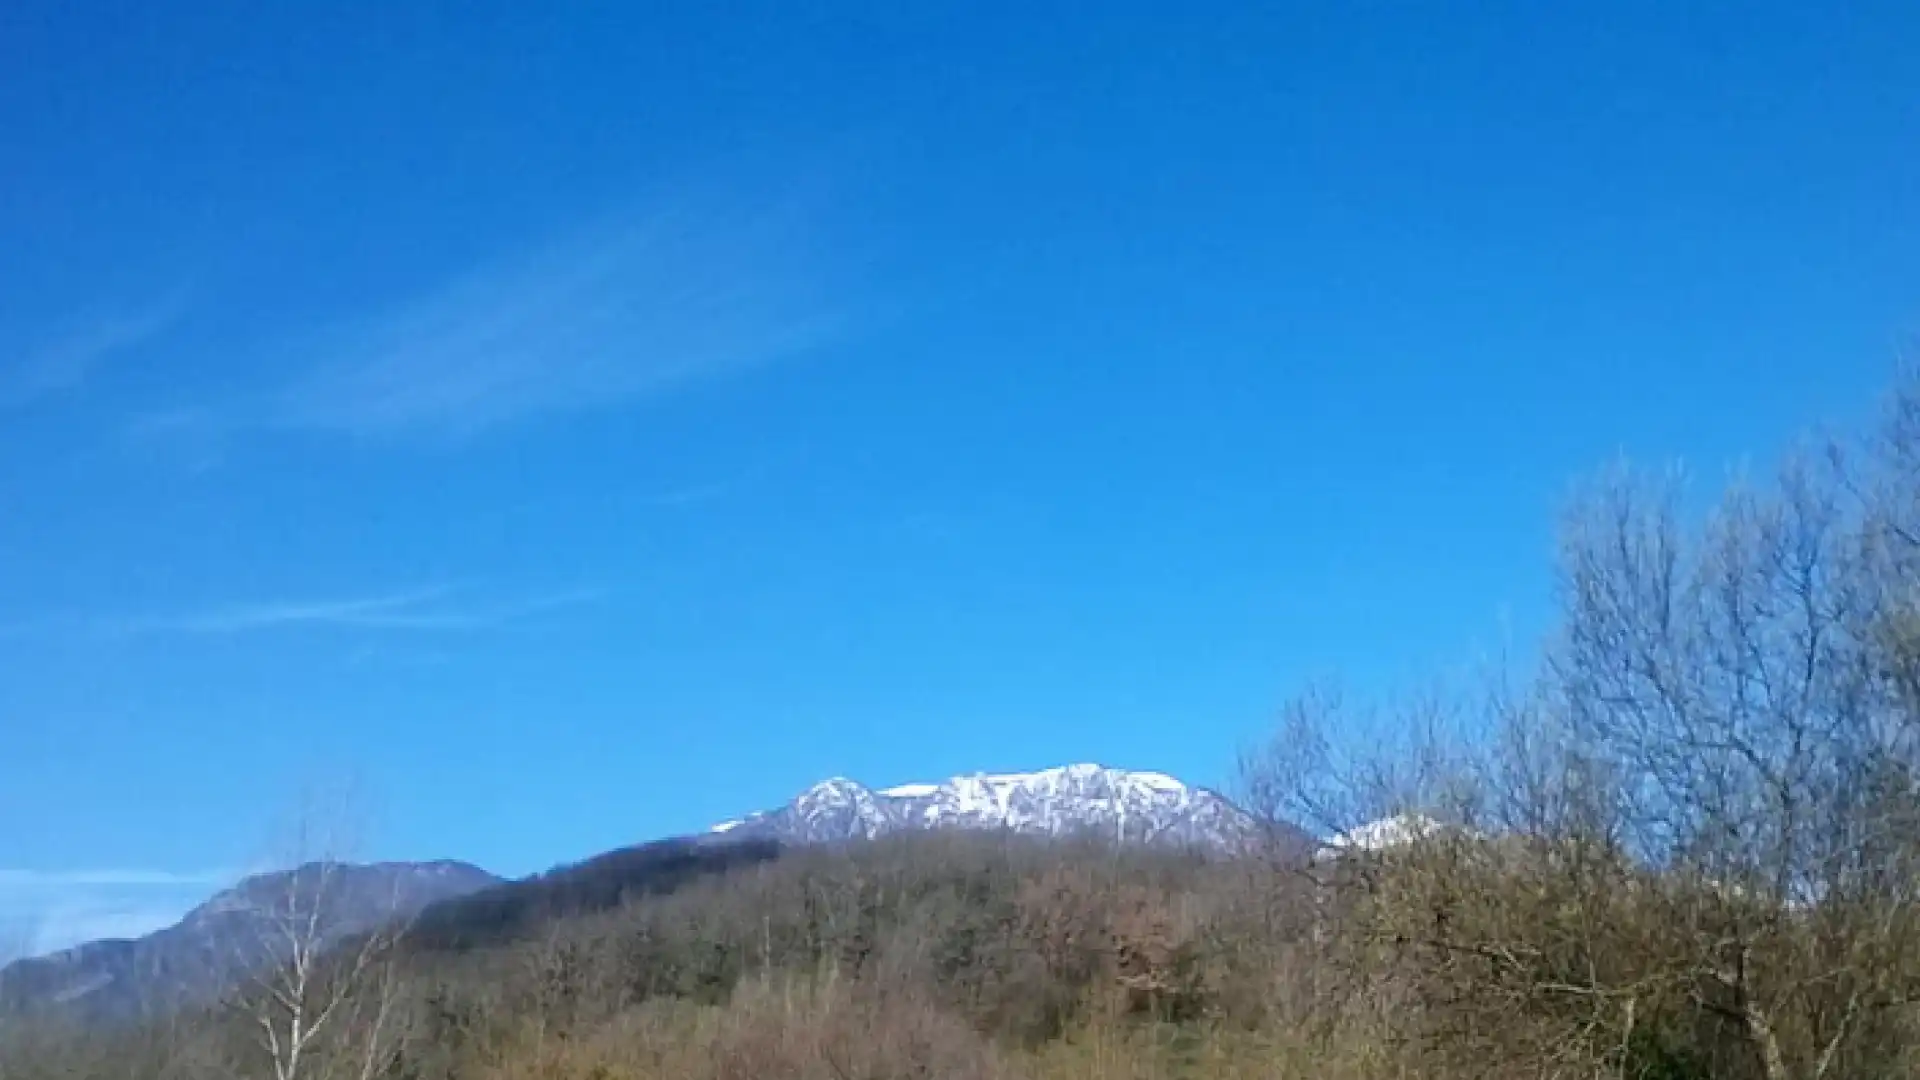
(910, 791)
(1393, 833)
(1388, 832)
(1080, 798)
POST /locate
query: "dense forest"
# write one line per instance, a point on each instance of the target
(1682, 843)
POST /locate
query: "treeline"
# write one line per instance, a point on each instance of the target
(511, 910)
(1683, 845)
(945, 955)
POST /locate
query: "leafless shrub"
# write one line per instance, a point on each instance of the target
(1692, 836)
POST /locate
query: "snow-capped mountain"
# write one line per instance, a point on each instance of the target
(1394, 833)
(1384, 834)
(1124, 805)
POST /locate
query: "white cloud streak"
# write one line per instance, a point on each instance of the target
(421, 610)
(68, 361)
(425, 611)
(631, 308)
(119, 877)
(63, 929)
(43, 911)
(395, 611)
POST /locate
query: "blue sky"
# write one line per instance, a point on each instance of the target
(579, 426)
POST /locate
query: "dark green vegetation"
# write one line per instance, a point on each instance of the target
(1686, 845)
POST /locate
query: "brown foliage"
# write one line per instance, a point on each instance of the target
(771, 1031)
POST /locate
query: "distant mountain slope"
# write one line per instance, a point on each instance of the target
(456, 906)
(514, 909)
(197, 957)
(1119, 804)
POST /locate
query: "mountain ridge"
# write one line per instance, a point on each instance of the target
(121, 978)
(1083, 799)
(460, 904)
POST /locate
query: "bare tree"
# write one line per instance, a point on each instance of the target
(1735, 674)
(317, 980)
(1698, 825)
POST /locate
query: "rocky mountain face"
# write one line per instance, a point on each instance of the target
(1088, 800)
(231, 933)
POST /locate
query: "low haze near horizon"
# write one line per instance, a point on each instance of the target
(581, 427)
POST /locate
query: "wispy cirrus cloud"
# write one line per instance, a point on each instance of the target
(392, 611)
(46, 910)
(436, 609)
(110, 877)
(634, 306)
(66, 361)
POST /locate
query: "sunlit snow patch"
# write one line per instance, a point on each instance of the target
(910, 791)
